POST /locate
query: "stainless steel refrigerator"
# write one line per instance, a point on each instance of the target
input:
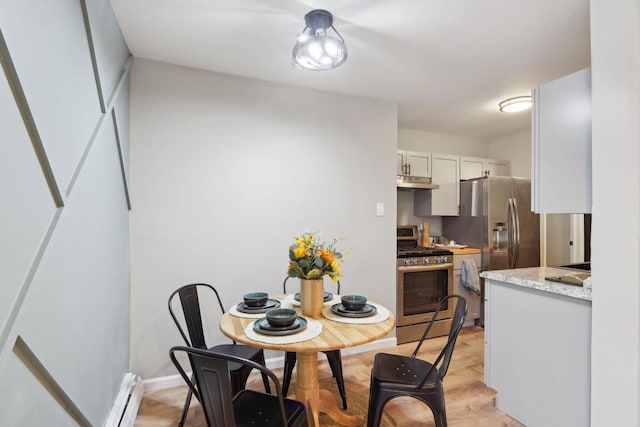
(495, 216)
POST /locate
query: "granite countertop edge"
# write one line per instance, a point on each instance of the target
(534, 278)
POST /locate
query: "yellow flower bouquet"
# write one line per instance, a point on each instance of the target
(311, 259)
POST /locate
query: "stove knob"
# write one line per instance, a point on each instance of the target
(407, 261)
(414, 261)
(427, 260)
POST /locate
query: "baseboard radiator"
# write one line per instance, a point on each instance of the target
(125, 408)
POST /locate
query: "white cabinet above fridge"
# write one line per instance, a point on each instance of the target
(477, 167)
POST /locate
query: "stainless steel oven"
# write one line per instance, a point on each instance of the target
(425, 277)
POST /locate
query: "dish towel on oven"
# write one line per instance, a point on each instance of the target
(469, 276)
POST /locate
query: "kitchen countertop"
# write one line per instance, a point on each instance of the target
(464, 251)
(534, 278)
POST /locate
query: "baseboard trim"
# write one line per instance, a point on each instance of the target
(125, 408)
(161, 383)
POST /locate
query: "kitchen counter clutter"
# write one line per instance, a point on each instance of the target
(538, 346)
(534, 278)
(465, 251)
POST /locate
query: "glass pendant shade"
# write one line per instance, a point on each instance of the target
(315, 48)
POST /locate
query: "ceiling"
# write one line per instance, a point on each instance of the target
(446, 63)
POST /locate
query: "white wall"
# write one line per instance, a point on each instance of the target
(226, 171)
(406, 216)
(64, 257)
(441, 143)
(615, 356)
(516, 149)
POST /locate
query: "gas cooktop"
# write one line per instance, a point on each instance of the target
(417, 251)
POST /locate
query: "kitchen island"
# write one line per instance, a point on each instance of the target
(538, 346)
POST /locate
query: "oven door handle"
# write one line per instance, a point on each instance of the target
(427, 267)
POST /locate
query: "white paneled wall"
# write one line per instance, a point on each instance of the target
(64, 260)
(51, 55)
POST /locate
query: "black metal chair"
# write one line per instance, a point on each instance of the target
(223, 407)
(190, 303)
(394, 375)
(334, 357)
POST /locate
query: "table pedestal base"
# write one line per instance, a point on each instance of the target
(317, 400)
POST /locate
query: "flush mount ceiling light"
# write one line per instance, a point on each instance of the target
(315, 49)
(513, 105)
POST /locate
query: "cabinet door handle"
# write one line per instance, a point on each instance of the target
(409, 168)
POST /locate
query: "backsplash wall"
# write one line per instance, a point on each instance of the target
(406, 216)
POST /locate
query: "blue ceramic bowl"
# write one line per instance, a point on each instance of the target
(256, 299)
(353, 302)
(281, 317)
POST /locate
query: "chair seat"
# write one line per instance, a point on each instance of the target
(189, 299)
(253, 409)
(393, 376)
(243, 351)
(395, 369)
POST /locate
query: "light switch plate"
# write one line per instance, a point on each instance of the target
(379, 209)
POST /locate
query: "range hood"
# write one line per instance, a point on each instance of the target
(414, 183)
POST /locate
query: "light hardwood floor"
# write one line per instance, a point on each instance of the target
(470, 403)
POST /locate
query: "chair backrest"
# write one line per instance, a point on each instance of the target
(444, 358)
(190, 303)
(284, 285)
(213, 383)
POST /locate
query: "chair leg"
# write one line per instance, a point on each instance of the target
(437, 405)
(265, 378)
(290, 359)
(187, 403)
(377, 400)
(265, 381)
(335, 363)
(440, 418)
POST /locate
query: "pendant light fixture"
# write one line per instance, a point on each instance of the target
(316, 49)
(515, 104)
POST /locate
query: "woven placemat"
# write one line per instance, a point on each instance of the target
(314, 328)
(381, 315)
(234, 311)
(290, 301)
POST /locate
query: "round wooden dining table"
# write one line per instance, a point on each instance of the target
(334, 336)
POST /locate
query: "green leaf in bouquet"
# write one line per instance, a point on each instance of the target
(296, 269)
(304, 264)
(314, 274)
(319, 262)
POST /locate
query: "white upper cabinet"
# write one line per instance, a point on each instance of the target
(497, 167)
(413, 163)
(476, 167)
(445, 200)
(561, 146)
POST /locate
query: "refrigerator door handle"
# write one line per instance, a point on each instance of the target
(516, 249)
(514, 234)
(510, 234)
